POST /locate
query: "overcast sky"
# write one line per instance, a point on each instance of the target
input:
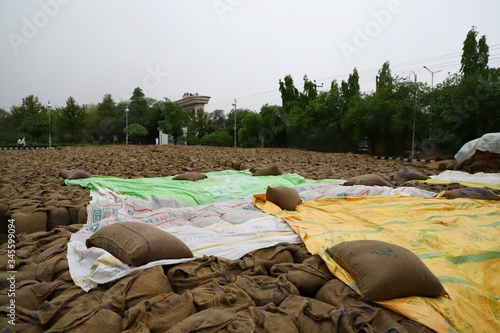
(226, 49)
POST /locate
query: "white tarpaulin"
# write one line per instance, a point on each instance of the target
(228, 229)
(489, 142)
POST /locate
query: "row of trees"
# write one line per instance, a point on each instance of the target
(398, 113)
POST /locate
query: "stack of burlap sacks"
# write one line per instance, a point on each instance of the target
(479, 162)
(278, 289)
(47, 206)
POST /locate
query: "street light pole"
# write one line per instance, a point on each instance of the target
(126, 126)
(414, 114)
(49, 107)
(234, 105)
(432, 76)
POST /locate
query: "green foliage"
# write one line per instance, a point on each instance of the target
(475, 54)
(175, 119)
(218, 119)
(135, 131)
(218, 138)
(71, 119)
(201, 125)
(273, 122)
(249, 134)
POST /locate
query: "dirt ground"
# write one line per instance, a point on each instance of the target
(30, 179)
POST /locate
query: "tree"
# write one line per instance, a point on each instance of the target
(218, 119)
(201, 125)
(135, 131)
(475, 54)
(106, 111)
(239, 114)
(31, 117)
(138, 107)
(273, 122)
(175, 119)
(7, 131)
(71, 117)
(249, 134)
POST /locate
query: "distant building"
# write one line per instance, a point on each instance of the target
(190, 103)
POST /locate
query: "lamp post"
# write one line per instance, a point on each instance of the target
(49, 107)
(234, 105)
(414, 111)
(432, 76)
(126, 126)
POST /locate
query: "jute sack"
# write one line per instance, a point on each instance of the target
(216, 294)
(265, 289)
(137, 243)
(280, 253)
(244, 266)
(140, 286)
(82, 215)
(74, 174)
(368, 180)
(196, 272)
(272, 319)
(73, 213)
(284, 197)
(30, 222)
(159, 313)
(212, 320)
(5, 215)
(267, 171)
(406, 175)
(311, 315)
(308, 276)
(483, 193)
(192, 176)
(58, 216)
(384, 271)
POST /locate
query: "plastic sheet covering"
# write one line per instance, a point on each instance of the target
(489, 142)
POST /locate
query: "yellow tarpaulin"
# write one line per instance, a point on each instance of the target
(459, 240)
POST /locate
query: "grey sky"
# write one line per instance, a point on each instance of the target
(225, 49)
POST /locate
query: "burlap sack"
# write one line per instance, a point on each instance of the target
(272, 319)
(140, 286)
(74, 174)
(30, 222)
(82, 215)
(307, 277)
(212, 320)
(216, 294)
(245, 266)
(265, 289)
(368, 180)
(54, 308)
(406, 175)
(357, 313)
(385, 271)
(92, 319)
(192, 176)
(73, 213)
(159, 313)
(281, 253)
(122, 241)
(267, 171)
(57, 216)
(483, 193)
(286, 198)
(194, 273)
(310, 315)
